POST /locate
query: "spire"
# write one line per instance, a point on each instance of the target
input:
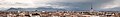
(91, 6)
(91, 9)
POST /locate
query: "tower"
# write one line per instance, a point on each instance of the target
(91, 8)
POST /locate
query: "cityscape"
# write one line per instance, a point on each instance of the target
(59, 8)
(58, 14)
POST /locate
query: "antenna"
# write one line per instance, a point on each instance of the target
(91, 9)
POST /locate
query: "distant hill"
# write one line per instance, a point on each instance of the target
(33, 9)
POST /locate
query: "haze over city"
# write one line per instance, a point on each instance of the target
(102, 5)
(59, 8)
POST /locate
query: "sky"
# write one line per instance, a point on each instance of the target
(100, 5)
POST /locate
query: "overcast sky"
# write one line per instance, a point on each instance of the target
(107, 5)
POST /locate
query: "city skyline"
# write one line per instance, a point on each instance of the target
(102, 5)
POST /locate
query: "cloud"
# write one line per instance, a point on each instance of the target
(108, 5)
(60, 4)
(63, 4)
(23, 3)
(38, 3)
(112, 4)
